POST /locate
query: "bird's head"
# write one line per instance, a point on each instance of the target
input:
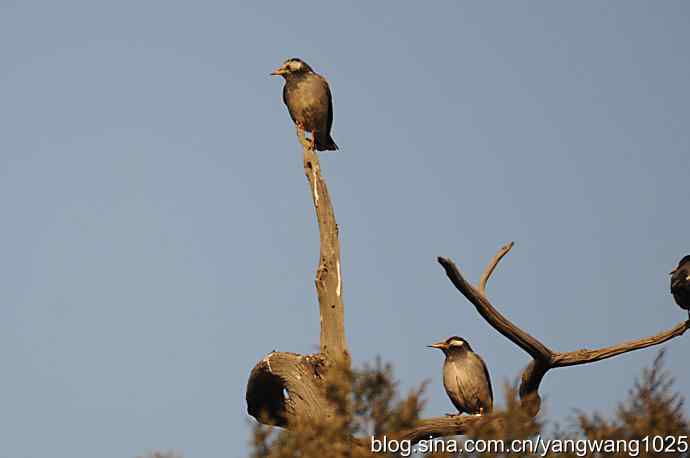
(685, 260)
(292, 66)
(452, 344)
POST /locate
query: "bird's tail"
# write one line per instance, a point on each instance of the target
(324, 142)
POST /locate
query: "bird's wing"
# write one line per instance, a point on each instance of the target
(285, 101)
(470, 382)
(488, 378)
(327, 92)
(330, 108)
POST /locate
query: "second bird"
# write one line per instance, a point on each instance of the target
(308, 99)
(680, 284)
(465, 377)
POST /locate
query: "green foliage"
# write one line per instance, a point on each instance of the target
(377, 408)
(368, 403)
(513, 423)
(651, 409)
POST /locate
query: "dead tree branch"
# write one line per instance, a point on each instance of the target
(585, 356)
(543, 358)
(329, 283)
(284, 388)
(491, 266)
(534, 347)
(287, 388)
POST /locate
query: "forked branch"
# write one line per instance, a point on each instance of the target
(523, 340)
(285, 388)
(543, 358)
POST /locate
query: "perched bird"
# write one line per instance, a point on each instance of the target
(680, 284)
(308, 99)
(465, 377)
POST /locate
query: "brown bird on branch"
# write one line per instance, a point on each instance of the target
(465, 377)
(680, 284)
(308, 99)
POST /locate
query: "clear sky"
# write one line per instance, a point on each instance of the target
(157, 235)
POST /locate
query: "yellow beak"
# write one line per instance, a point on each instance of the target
(279, 71)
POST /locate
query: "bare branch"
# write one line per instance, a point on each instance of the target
(532, 346)
(585, 356)
(544, 358)
(492, 265)
(287, 387)
(530, 379)
(329, 285)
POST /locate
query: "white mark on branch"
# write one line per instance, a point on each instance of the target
(267, 360)
(316, 186)
(337, 269)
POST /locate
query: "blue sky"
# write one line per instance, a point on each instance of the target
(158, 237)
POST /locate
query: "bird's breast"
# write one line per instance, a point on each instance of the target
(307, 100)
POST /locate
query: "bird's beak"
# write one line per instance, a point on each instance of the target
(278, 71)
(439, 345)
(673, 271)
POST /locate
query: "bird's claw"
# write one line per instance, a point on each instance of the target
(300, 130)
(308, 143)
(453, 415)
